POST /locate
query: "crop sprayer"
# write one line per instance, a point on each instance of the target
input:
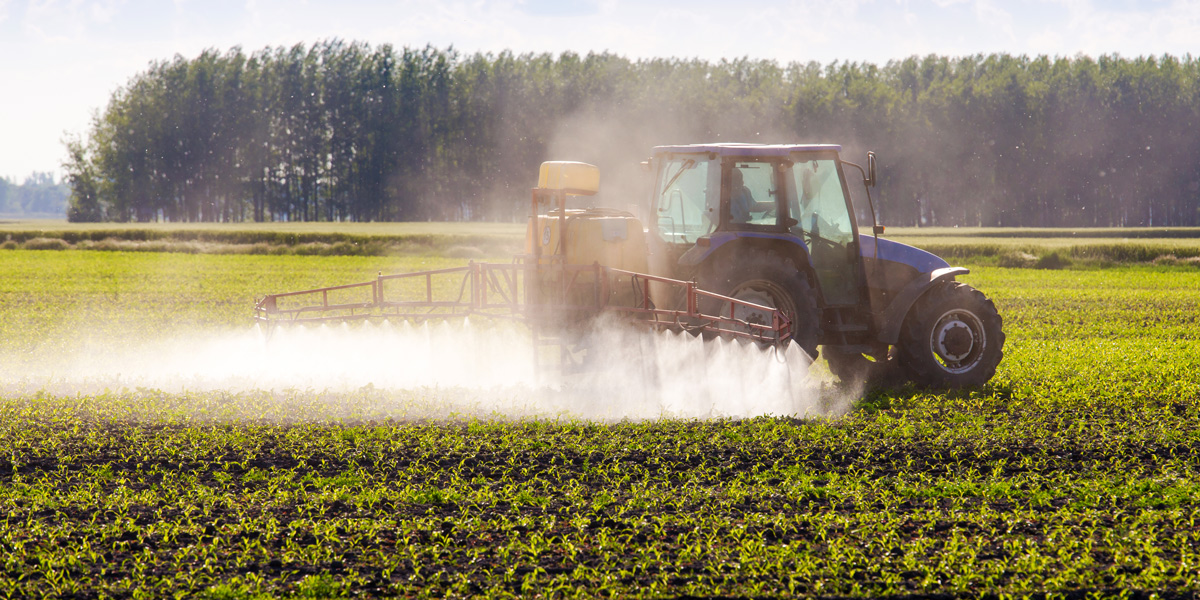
(757, 243)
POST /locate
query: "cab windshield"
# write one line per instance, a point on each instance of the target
(686, 198)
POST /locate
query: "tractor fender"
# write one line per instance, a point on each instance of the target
(892, 318)
(708, 246)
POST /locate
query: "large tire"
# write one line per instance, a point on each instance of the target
(768, 279)
(952, 338)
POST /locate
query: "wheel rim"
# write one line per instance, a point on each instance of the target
(958, 340)
(762, 293)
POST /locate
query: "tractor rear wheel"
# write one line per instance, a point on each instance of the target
(767, 279)
(952, 338)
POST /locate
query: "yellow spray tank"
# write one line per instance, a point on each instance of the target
(557, 235)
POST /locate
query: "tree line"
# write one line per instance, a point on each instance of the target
(38, 196)
(347, 131)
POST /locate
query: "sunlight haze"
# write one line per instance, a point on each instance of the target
(64, 58)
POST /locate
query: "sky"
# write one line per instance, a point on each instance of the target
(63, 59)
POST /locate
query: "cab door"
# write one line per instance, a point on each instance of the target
(819, 204)
(683, 208)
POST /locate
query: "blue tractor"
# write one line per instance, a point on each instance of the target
(775, 226)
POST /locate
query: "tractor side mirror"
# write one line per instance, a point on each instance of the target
(870, 170)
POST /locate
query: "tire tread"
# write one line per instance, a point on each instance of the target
(914, 356)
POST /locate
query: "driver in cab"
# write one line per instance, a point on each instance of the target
(741, 202)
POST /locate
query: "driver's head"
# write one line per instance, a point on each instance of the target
(736, 177)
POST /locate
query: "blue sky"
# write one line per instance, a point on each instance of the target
(62, 59)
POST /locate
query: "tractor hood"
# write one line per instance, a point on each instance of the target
(901, 255)
(897, 271)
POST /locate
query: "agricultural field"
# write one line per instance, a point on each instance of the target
(1073, 473)
(457, 240)
(1007, 247)
(1055, 248)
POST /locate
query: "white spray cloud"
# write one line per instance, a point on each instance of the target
(455, 370)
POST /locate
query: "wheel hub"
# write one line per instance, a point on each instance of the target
(955, 341)
(958, 340)
(750, 315)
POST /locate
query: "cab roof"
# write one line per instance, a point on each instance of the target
(735, 149)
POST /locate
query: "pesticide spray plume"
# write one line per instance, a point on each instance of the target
(442, 371)
(469, 369)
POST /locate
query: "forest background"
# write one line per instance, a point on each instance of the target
(343, 131)
(39, 196)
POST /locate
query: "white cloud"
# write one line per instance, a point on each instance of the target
(1131, 30)
(1048, 42)
(60, 20)
(1179, 26)
(559, 8)
(103, 11)
(988, 13)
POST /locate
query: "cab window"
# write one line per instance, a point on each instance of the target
(685, 199)
(753, 193)
(819, 205)
(822, 218)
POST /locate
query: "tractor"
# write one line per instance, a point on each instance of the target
(746, 241)
(774, 225)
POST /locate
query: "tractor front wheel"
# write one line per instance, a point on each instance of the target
(767, 279)
(952, 338)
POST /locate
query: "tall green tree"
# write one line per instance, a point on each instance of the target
(345, 131)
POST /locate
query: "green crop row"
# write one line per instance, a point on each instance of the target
(875, 504)
(1074, 472)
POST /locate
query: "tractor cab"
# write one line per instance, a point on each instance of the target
(774, 226)
(716, 206)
